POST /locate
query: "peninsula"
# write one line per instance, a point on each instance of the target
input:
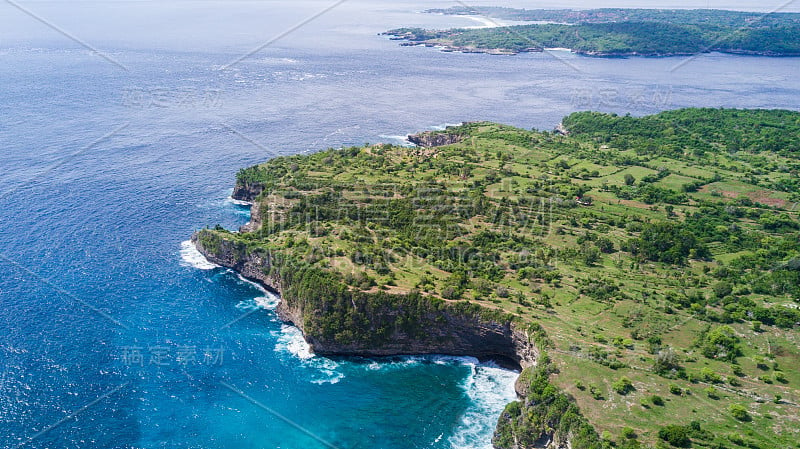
(644, 273)
(617, 32)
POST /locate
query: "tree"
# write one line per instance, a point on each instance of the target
(722, 289)
(590, 254)
(675, 435)
(604, 244)
(667, 360)
(721, 343)
(667, 242)
(629, 179)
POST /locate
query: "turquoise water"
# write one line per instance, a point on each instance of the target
(113, 334)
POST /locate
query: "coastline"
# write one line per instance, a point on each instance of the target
(464, 332)
(481, 367)
(446, 48)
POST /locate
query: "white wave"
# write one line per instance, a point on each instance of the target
(254, 284)
(444, 127)
(489, 389)
(402, 139)
(321, 370)
(291, 340)
(191, 257)
(268, 302)
(230, 200)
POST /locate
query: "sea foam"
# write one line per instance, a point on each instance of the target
(323, 370)
(402, 140)
(489, 389)
(267, 302)
(230, 200)
(191, 257)
(445, 126)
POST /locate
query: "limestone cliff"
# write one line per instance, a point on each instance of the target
(389, 324)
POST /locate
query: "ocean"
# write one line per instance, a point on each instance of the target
(114, 333)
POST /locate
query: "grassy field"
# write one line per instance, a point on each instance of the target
(554, 229)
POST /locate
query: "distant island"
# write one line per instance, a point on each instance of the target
(617, 32)
(644, 273)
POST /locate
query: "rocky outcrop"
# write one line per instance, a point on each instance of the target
(430, 139)
(247, 191)
(255, 219)
(253, 265)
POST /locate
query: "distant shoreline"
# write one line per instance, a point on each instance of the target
(612, 33)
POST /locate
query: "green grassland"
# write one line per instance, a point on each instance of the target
(664, 250)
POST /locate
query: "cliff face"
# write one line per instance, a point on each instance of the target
(247, 191)
(253, 265)
(396, 327)
(255, 219)
(454, 334)
(434, 139)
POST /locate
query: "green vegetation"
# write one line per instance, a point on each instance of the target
(546, 411)
(619, 32)
(604, 15)
(677, 436)
(653, 282)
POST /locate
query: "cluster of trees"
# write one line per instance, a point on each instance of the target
(701, 130)
(667, 242)
(336, 314)
(545, 412)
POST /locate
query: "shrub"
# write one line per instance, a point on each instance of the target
(623, 386)
(657, 400)
(739, 412)
(675, 435)
(596, 393)
(712, 393)
(676, 390)
(708, 375)
(628, 433)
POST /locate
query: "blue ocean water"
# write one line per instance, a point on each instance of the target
(113, 334)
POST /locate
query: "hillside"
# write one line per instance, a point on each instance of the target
(619, 32)
(644, 271)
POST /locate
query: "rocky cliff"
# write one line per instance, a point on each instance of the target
(430, 139)
(247, 191)
(395, 325)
